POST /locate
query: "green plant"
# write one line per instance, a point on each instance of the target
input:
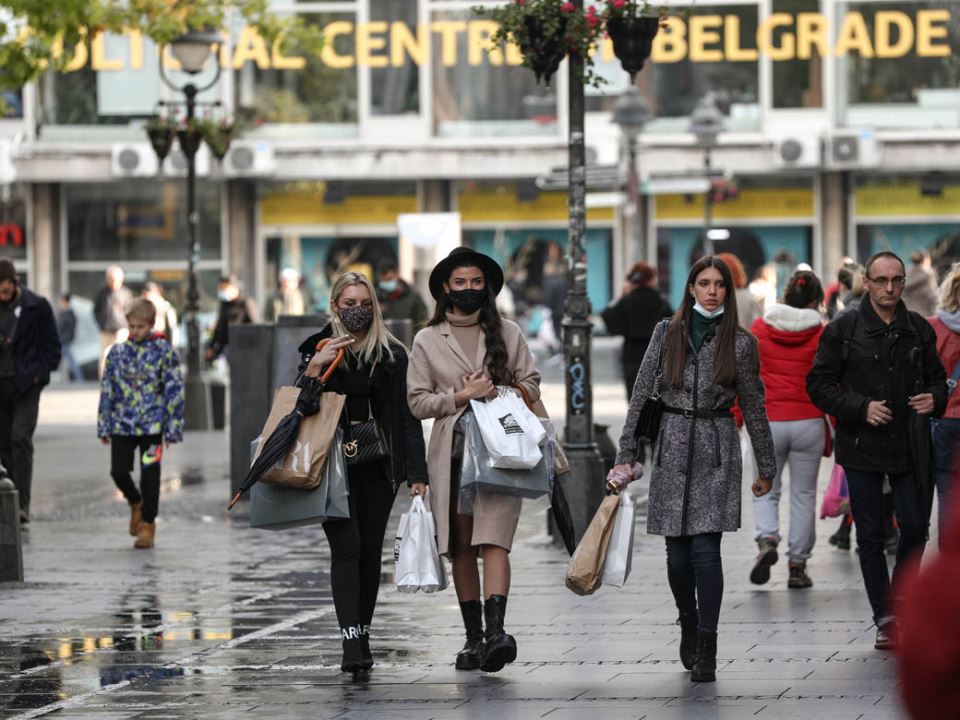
(161, 122)
(577, 30)
(217, 134)
(637, 8)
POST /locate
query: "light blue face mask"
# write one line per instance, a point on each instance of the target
(706, 313)
(388, 286)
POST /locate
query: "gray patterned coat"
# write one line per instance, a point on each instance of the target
(697, 471)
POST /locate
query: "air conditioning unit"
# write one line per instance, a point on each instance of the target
(133, 160)
(175, 165)
(853, 149)
(250, 158)
(797, 151)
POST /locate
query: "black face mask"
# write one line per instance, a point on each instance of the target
(468, 301)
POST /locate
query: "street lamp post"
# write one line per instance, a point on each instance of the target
(631, 114)
(706, 123)
(192, 51)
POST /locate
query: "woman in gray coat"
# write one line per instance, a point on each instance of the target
(695, 488)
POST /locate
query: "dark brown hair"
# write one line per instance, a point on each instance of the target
(641, 273)
(8, 271)
(803, 290)
(491, 325)
(678, 344)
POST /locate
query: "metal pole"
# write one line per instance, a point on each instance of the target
(707, 205)
(584, 484)
(636, 199)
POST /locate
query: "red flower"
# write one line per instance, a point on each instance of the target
(619, 3)
(567, 7)
(521, 2)
(592, 11)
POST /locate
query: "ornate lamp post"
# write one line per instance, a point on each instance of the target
(631, 114)
(193, 50)
(706, 123)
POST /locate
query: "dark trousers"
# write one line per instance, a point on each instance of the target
(866, 504)
(695, 573)
(946, 453)
(18, 421)
(356, 546)
(123, 452)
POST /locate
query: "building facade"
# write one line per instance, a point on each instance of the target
(842, 134)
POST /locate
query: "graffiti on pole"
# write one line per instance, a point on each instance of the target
(578, 389)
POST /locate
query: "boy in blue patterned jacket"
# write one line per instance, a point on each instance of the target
(141, 407)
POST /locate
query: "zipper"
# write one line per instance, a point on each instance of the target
(693, 426)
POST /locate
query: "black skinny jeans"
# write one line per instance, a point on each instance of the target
(866, 504)
(695, 572)
(18, 421)
(356, 547)
(123, 452)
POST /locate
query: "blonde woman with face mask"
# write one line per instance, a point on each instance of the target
(373, 376)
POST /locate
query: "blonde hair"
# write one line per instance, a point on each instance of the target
(378, 339)
(143, 310)
(950, 290)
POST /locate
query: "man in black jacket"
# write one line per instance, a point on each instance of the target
(235, 309)
(877, 371)
(29, 352)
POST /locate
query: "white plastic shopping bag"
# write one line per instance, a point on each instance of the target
(616, 568)
(418, 563)
(506, 432)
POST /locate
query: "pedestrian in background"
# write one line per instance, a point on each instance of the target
(398, 300)
(763, 287)
(788, 335)
(747, 308)
(464, 353)
(920, 292)
(635, 316)
(875, 366)
(849, 288)
(67, 330)
(141, 409)
(110, 311)
(694, 496)
(29, 352)
(946, 434)
(373, 376)
(166, 322)
(235, 309)
(288, 299)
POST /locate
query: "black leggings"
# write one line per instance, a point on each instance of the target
(123, 451)
(356, 546)
(695, 572)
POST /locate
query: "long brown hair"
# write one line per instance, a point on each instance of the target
(678, 344)
(491, 325)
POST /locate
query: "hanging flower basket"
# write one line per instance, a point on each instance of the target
(632, 28)
(160, 132)
(190, 137)
(218, 136)
(543, 50)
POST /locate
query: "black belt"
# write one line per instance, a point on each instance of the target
(690, 413)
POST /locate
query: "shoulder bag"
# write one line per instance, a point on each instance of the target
(648, 424)
(365, 442)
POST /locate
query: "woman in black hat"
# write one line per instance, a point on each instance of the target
(463, 354)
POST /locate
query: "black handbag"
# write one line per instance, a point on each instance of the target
(364, 442)
(648, 424)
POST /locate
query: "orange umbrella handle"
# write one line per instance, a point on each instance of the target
(336, 360)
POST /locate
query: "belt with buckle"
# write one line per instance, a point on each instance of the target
(701, 414)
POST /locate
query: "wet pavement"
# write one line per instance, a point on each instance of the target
(221, 621)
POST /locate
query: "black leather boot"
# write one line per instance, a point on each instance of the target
(352, 661)
(472, 654)
(365, 654)
(689, 622)
(705, 665)
(499, 648)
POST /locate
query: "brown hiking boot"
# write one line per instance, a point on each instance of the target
(767, 556)
(136, 517)
(145, 536)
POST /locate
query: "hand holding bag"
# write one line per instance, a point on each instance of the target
(585, 571)
(508, 440)
(616, 567)
(648, 424)
(418, 563)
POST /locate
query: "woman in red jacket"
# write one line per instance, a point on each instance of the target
(788, 334)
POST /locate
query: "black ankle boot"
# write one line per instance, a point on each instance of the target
(705, 665)
(689, 623)
(352, 661)
(499, 648)
(366, 657)
(472, 654)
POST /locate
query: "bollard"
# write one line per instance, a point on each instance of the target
(11, 551)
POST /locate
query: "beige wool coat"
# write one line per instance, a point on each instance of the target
(436, 370)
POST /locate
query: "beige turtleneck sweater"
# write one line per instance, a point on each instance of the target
(466, 329)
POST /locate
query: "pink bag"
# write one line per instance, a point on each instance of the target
(836, 500)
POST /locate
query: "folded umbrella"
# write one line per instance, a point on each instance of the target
(562, 518)
(276, 447)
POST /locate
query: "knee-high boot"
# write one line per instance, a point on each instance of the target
(472, 654)
(499, 648)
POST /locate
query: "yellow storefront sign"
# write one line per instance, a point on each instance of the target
(502, 206)
(754, 203)
(903, 198)
(308, 208)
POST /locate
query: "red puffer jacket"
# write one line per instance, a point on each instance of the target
(947, 327)
(788, 340)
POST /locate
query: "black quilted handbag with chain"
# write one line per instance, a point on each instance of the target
(648, 424)
(364, 442)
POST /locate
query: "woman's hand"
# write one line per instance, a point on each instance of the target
(325, 356)
(477, 385)
(761, 486)
(619, 477)
(418, 489)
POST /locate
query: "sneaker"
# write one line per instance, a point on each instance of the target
(767, 557)
(798, 577)
(887, 636)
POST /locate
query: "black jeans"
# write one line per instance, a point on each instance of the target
(123, 452)
(18, 421)
(356, 546)
(866, 504)
(695, 572)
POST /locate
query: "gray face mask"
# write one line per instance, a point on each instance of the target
(356, 317)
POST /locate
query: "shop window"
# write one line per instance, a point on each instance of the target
(797, 82)
(395, 89)
(139, 221)
(13, 225)
(12, 104)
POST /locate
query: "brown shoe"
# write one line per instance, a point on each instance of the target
(145, 535)
(136, 517)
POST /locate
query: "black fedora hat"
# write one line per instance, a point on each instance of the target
(461, 257)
